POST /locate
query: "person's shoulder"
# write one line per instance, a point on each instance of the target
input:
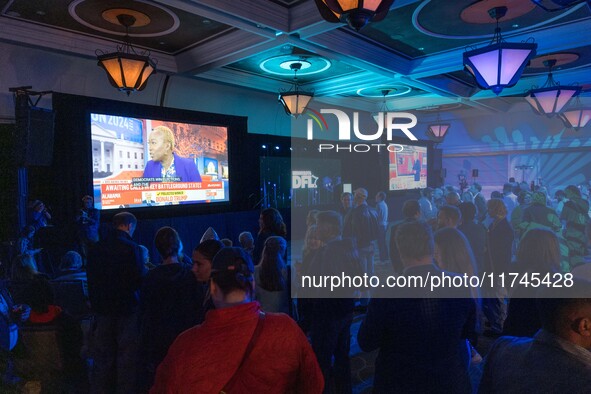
(282, 322)
(510, 343)
(182, 159)
(184, 339)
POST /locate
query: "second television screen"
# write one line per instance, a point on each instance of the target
(145, 162)
(408, 168)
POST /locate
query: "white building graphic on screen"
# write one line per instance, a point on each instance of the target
(113, 152)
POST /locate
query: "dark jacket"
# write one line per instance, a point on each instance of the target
(421, 341)
(476, 235)
(499, 247)
(336, 258)
(115, 270)
(358, 225)
(544, 364)
(170, 302)
(480, 203)
(394, 254)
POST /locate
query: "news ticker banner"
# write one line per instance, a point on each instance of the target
(144, 191)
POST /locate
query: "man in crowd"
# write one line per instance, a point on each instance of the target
(421, 340)
(382, 211)
(346, 203)
(428, 208)
(411, 212)
(448, 216)
(88, 221)
(115, 270)
(557, 359)
(474, 232)
(509, 198)
(453, 199)
(358, 225)
(479, 201)
(331, 313)
(38, 215)
(165, 163)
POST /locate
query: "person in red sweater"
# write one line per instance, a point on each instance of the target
(239, 349)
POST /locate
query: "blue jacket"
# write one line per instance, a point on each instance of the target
(185, 169)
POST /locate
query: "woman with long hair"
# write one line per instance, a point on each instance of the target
(247, 350)
(202, 257)
(539, 253)
(272, 277)
(270, 224)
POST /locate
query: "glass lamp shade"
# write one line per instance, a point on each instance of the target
(551, 100)
(530, 100)
(295, 102)
(576, 117)
(127, 72)
(499, 65)
(437, 132)
(356, 13)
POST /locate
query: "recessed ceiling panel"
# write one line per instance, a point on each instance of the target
(168, 29)
(272, 64)
(434, 26)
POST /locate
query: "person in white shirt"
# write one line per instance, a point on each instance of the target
(509, 198)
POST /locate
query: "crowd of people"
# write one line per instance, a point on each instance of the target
(227, 319)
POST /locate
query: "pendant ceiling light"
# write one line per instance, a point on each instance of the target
(127, 70)
(558, 5)
(577, 115)
(551, 98)
(500, 64)
(437, 131)
(295, 100)
(356, 13)
(383, 109)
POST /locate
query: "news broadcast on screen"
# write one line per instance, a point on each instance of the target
(408, 168)
(146, 162)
